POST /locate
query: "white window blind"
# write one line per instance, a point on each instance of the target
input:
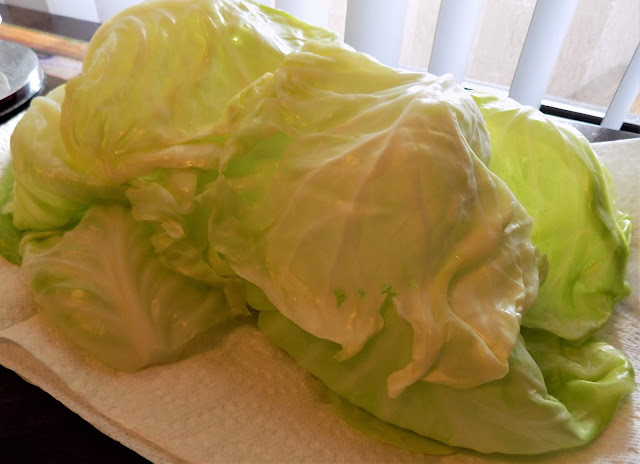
(379, 28)
(376, 27)
(625, 95)
(87, 10)
(79, 10)
(314, 12)
(456, 29)
(107, 9)
(547, 31)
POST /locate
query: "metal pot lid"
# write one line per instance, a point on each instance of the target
(21, 77)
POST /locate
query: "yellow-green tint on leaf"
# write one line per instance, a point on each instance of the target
(346, 174)
(157, 77)
(554, 173)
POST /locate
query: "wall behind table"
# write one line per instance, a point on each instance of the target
(96, 11)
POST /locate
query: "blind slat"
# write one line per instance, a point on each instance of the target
(549, 27)
(625, 95)
(107, 8)
(376, 27)
(314, 12)
(455, 31)
(78, 10)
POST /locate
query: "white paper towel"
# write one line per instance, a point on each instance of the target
(239, 399)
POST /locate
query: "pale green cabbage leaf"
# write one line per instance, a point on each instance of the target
(345, 181)
(170, 203)
(49, 191)
(157, 76)
(103, 287)
(9, 236)
(558, 396)
(381, 430)
(565, 188)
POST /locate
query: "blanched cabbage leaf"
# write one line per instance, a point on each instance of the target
(555, 174)
(157, 76)
(557, 397)
(102, 286)
(170, 203)
(9, 236)
(345, 182)
(49, 192)
(381, 430)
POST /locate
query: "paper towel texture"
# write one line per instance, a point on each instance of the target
(237, 398)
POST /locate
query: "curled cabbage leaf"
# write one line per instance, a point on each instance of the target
(102, 286)
(49, 191)
(555, 395)
(554, 173)
(9, 236)
(170, 204)
(157, 76)
(346, 182)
